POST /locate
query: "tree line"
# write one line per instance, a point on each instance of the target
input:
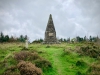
(76, 39)
(81, 39)
(22, 38)
(7, 38)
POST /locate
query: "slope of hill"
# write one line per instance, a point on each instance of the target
(57, 59)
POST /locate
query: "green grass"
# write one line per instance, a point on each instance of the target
(62, 64)
(6, 54)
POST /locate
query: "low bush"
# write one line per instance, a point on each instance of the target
(27, 68)
(26, 55)
(66, 51)
(80, 63)
(42, 63)
(92, 51)
(21, 55)
(78, 73)
(47, 46)
(94, 69)
(24, 49)
(34, 56)
(11, 71)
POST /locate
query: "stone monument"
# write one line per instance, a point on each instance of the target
(50, 33)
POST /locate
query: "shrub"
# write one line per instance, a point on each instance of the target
(12, 68)
(66, 52)
(27, 68)
(95, 47)
(21, 55)
(2, 64)
(34, 56)
(11, 71)
(24, 48)
(25, 55)
(94, 69)
(79, 73)
(80, 63)
(42, 63)
(92, 51)
(47, 46)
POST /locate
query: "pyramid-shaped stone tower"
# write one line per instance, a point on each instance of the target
(50, 33)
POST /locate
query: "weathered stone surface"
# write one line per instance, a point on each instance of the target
(50, 33)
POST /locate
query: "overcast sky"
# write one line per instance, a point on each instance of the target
(29, 17)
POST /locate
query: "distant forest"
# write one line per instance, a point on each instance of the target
(22, 38)
(7, 38)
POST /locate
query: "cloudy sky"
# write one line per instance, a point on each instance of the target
(29, 17)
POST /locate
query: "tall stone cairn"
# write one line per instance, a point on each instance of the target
(50, 33)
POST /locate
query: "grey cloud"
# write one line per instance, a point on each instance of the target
(90, 10)
(30, 17)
